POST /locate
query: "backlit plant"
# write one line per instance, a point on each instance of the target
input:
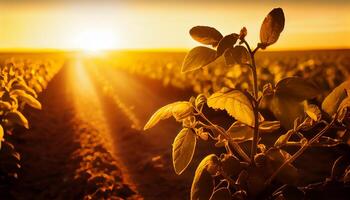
(248, 174)
(20, 82)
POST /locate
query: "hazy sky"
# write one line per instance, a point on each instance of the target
(164, 24)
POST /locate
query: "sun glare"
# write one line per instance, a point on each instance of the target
(97, 40)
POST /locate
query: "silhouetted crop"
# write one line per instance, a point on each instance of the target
(238, 173)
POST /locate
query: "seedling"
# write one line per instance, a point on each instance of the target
(20, 82)
(238, 174)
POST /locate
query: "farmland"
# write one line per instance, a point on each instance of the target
(86, 115)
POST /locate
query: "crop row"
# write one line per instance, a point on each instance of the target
(21, 79)
(325, 68)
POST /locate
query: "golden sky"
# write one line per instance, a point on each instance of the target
(165, 24)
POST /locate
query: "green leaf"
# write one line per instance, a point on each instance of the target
(221, 194)
(237, 55)
(226, 42)
(179, 110)
(203, 183)
(296, 88)
(26, 98)
(197, 58)
(272, 27)
(236, 103)
(331, 103)
(206, 35)
(18, 118)
(183, 149)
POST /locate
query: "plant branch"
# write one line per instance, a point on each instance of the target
(253, 67)
(256, 96)
(235, 145)
(301, 150)
(255, 50)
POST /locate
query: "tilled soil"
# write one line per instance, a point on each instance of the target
(87, 142)
(62, 155)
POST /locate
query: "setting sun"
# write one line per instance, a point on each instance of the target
(96, 40)
(95, 26)
(215, 100)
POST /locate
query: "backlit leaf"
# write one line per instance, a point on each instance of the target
(206, 35)
(269, 126)
(27, 98)
(5, 105)
(1, 134)
(313, 112)
(177, 109)
(200, 100)
(181, 110)
(343, 108)
(18, 118)
(296, 88)
(272, 27)
(345, 103)
(183, 149)
(202, 134)
(197, 58)
(236, 103)
(226, 42)
(331, 103)
(283, 139)
(221, 194)
(203, 183)
(21, 85)
(240, 132)
(236, 55)
(286, 102)
(286, 110)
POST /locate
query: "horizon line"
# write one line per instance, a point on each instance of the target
(170, 49)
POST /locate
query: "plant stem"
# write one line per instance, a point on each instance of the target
(301, 150)
(256, 134)
(234, 144)
(255, 107)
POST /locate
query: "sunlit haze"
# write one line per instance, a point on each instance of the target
(97, 25)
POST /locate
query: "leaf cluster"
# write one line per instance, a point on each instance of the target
(20, 82)
(240, 175)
